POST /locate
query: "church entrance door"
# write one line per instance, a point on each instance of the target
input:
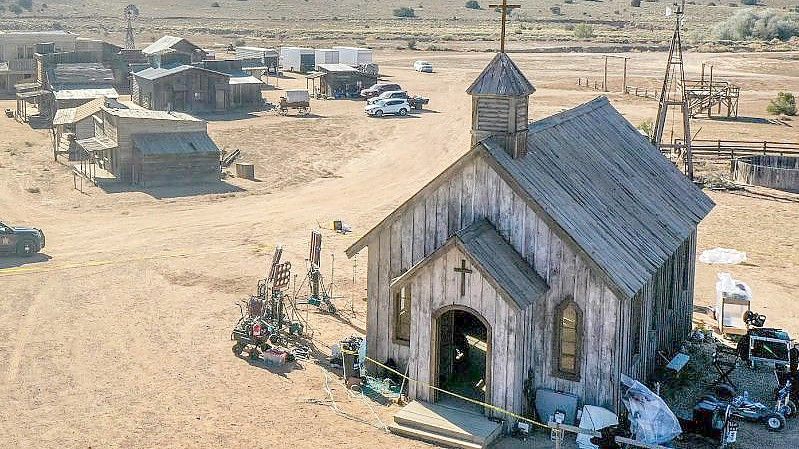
(463, 355)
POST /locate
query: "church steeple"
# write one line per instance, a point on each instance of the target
(500, 99)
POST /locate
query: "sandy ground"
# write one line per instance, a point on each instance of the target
(117, 336)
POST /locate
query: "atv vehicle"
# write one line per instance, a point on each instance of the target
(20, 241)
(744, 408)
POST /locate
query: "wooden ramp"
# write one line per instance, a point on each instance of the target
(445, 426)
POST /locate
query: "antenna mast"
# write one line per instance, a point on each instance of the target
(675, 79)
(130, 13)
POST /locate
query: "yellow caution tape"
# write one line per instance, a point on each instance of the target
(473, 401)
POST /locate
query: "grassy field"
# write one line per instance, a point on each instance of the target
(438, 25)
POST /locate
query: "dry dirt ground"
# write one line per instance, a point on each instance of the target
(117, 336)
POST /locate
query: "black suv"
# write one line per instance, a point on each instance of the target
(20, 241)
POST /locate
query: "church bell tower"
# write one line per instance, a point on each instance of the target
(500, 100)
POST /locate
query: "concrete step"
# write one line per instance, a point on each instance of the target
(431, 437)
(448, 422)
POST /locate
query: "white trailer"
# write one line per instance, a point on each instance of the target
(354, 55)
(255, 53)
(326, 56)
(297, 59)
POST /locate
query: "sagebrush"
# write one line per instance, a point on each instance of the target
(758, 25)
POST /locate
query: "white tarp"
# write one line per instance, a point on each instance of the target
(722, 256)
(651, 420)
(594, 418)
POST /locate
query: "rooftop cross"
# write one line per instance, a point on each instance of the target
(505, 8)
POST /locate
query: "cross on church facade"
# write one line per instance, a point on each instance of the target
(505, 8)
(463, 271)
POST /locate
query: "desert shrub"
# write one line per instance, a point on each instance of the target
(411, 44)
(25, 4)
(749, 2)
(15, 9)
(404, 12)
(473, 4)
(647, 127)
(762, 25)
(568, 2)
(555, 10)
(711, 4)
(239, 42)
(635, 3)
(733, 5)
(215, 5)
(784, 104)
(583, 31)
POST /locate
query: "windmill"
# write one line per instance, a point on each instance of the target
(130, 13)
(673, 92)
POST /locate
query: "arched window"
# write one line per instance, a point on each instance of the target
(568, 339)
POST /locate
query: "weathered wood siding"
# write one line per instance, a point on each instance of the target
(435, 289)
(666, 313)
(476, 191)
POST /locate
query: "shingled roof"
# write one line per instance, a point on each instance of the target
(624, 204)
(501, 77)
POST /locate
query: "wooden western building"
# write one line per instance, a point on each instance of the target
(17, 50)
(559, 252)
(207, 86)
(339, 81)
(181, 88)
(150, 148)
(170, 51)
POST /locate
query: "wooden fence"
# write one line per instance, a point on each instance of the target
(730, 149)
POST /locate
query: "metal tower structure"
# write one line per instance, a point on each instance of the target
(673, 94)
(130, 13)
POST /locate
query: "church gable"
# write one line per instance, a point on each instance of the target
(483, 248)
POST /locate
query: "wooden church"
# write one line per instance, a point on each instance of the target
(558, 252)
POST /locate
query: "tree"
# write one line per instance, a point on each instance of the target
(473, 4)
(404, 12)
(784, 104)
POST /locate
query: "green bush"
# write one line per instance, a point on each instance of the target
(647, 127)
(404, 12)
(784, 104)
(583, 31)
(473, 4)
(758, 25)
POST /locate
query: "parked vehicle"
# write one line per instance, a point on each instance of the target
(416, 102)
(423, 66)
(396, 106)
(21, 241)
(744, 408)
(379, 88)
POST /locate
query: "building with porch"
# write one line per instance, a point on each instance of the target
(556, 254)
(149, 148)
(339, 81)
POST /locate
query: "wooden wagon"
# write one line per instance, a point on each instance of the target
(295, 99)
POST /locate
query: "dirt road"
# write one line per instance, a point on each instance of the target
(117, 337)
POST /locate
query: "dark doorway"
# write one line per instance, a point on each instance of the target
(463, 352)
